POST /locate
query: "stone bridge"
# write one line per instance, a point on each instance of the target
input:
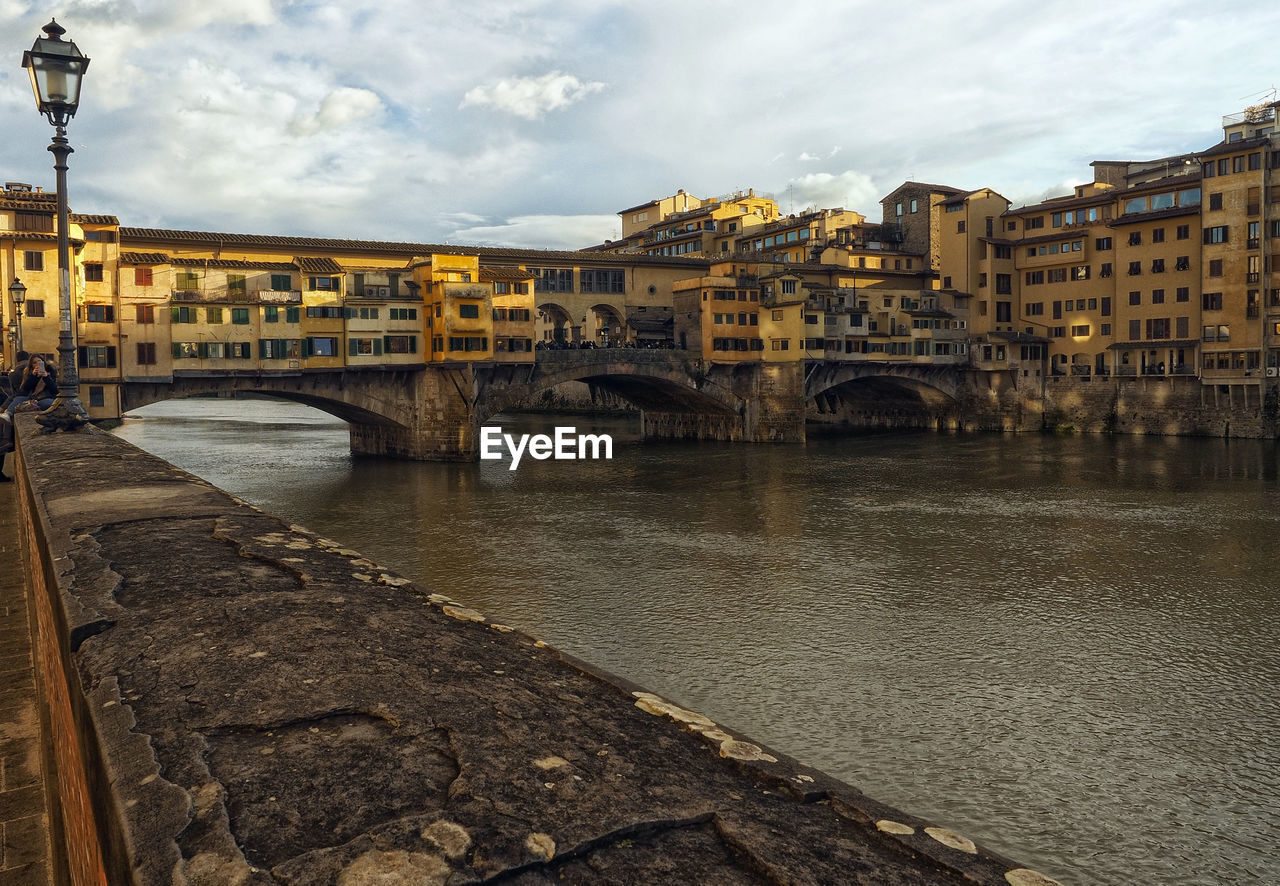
(902, 395)
(435, 411)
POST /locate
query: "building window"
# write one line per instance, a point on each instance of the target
(1135, 238)
(1081, 331)
(235, 283)
(1211, 301)
(550, 280)
(1184, 232)
(604, 280)
(92, 272)
(281, 282)
(146, 353)
(184, 314)
(1215, 267)
(97, 357)
(97, 396)
(213, 315)
(1183, 293)
(33, 221)
(323, 284)
(1135, 297)
(320, 347)
(1034, 278)
(1215, 201)
(35, 307)
(466, 343)
(1217, 234)
(144, 313)
(142, 276)
(407, 344)
(1157, 266)
(1135, 330)
(1157, 235)
(1182, 263)
(1157, 296)
(1184, 327)
(469, 312)
(100, 313)
(1157, 328)
(1135, 268)
(33, 260)
(240, 316)
(187, 280)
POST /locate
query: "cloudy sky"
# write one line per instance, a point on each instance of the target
(531, 123)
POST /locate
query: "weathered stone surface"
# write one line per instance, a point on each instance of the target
(263, 714)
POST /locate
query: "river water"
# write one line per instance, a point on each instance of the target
(1063, 647)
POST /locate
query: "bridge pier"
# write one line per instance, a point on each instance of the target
(442, 425)
(772, 411)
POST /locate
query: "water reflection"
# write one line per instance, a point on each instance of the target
(1063, 647)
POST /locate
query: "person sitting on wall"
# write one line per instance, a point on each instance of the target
(14, 377)
(38, 383)
(6, 428)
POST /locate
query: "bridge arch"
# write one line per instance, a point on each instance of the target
(381, 401)
(607, 324)
(653, 381)
(556, 323)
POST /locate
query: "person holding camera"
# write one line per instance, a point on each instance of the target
(39, 383)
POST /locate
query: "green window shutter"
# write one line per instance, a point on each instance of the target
(292, 315)
(176, 313)
(351, 347)
(413, 344)
(82, 355)
(177, 349)
(386, 343)
(306, 347)
(377, 347)
(311, 284)
(111, 357)
(202, 350)
(262, 348)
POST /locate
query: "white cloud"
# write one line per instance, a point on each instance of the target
(531, 97)
(849, 189)
(341, 107)
(542, 232)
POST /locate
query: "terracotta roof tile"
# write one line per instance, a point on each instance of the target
(93, 219)
(143, 258)
(312, 264)
(155, 236)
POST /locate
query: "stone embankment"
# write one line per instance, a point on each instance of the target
(234, 700)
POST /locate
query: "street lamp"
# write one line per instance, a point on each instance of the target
(18, 293)
(56, 68)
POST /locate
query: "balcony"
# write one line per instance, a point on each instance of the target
(1252, 243)
(1252, 277)
(1250, 115)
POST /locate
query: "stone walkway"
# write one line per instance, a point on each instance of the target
(24, 822)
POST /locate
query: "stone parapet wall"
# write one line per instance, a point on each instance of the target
(244, 702)
(1174, 406)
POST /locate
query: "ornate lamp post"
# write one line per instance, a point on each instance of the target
(56, 68)
(18, 293)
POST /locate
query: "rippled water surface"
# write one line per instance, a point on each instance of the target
(1065, 648)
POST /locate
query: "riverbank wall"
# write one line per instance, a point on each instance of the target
(236, 700)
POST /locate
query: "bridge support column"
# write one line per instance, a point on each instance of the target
(443, 422)
(772, 412)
